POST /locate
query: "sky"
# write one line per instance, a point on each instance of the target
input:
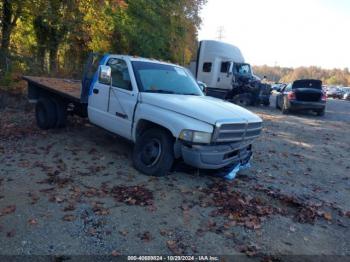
(288, 33)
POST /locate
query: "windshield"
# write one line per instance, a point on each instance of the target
(242, 69)
(167, 79)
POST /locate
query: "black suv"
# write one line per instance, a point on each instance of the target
(306, 94)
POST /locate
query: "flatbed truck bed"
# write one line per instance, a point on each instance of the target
(69, 89)
(64, 94)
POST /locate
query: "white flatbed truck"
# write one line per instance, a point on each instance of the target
(156, 105)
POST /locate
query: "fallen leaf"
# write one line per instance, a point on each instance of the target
(146, 236)
(11, 233)
(163, 232)
(115, 253)
(70, 207)
(173, 247)
(8, 210)
(327, 216)
(68, 218)
(32, 221)
(123, 232)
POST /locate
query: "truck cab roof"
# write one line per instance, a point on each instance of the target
(142, 59)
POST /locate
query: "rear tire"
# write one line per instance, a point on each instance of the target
(45, 113)
(61, 110)
(153, 152)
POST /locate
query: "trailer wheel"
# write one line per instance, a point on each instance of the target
(154, 152)
(61, 110)
(45, 113)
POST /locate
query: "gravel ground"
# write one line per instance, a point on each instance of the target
(74, 192)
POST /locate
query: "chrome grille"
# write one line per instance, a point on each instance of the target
(232, 132)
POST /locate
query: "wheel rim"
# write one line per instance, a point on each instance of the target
(151, 152)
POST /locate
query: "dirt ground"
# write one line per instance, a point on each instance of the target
(74, 192)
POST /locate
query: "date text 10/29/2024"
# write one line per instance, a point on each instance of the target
(173, 258)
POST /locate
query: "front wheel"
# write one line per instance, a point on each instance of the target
(154, 152)
(242, 99)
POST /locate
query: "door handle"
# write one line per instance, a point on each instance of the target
(95, 91)
(218, 79)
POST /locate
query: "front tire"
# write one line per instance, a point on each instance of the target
(242, 100)
(153, 152)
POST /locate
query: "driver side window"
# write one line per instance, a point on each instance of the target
(120, 74)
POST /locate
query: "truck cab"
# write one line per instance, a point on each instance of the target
(160, 108)
(222, 67)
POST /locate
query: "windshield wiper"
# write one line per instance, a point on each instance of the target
(159, 91)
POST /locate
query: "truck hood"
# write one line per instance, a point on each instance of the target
(203, 108)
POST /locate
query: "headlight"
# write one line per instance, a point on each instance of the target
(195, 136)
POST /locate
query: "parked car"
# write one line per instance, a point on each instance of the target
(158, 106)
(334, 93)
(304, 94)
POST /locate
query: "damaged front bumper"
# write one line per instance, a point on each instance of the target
(216, 156)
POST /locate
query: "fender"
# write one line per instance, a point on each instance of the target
(170, 120)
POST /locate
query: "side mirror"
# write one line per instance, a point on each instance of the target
(105, 75)
(202, 86)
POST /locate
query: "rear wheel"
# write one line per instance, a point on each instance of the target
(61, 110)
(154, 152)
(45, 113)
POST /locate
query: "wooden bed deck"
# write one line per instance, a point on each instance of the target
(66, 87)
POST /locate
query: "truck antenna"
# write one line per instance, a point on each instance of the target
(220, 32)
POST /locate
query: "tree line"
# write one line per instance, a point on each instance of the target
(286, 75)
(55, 36)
